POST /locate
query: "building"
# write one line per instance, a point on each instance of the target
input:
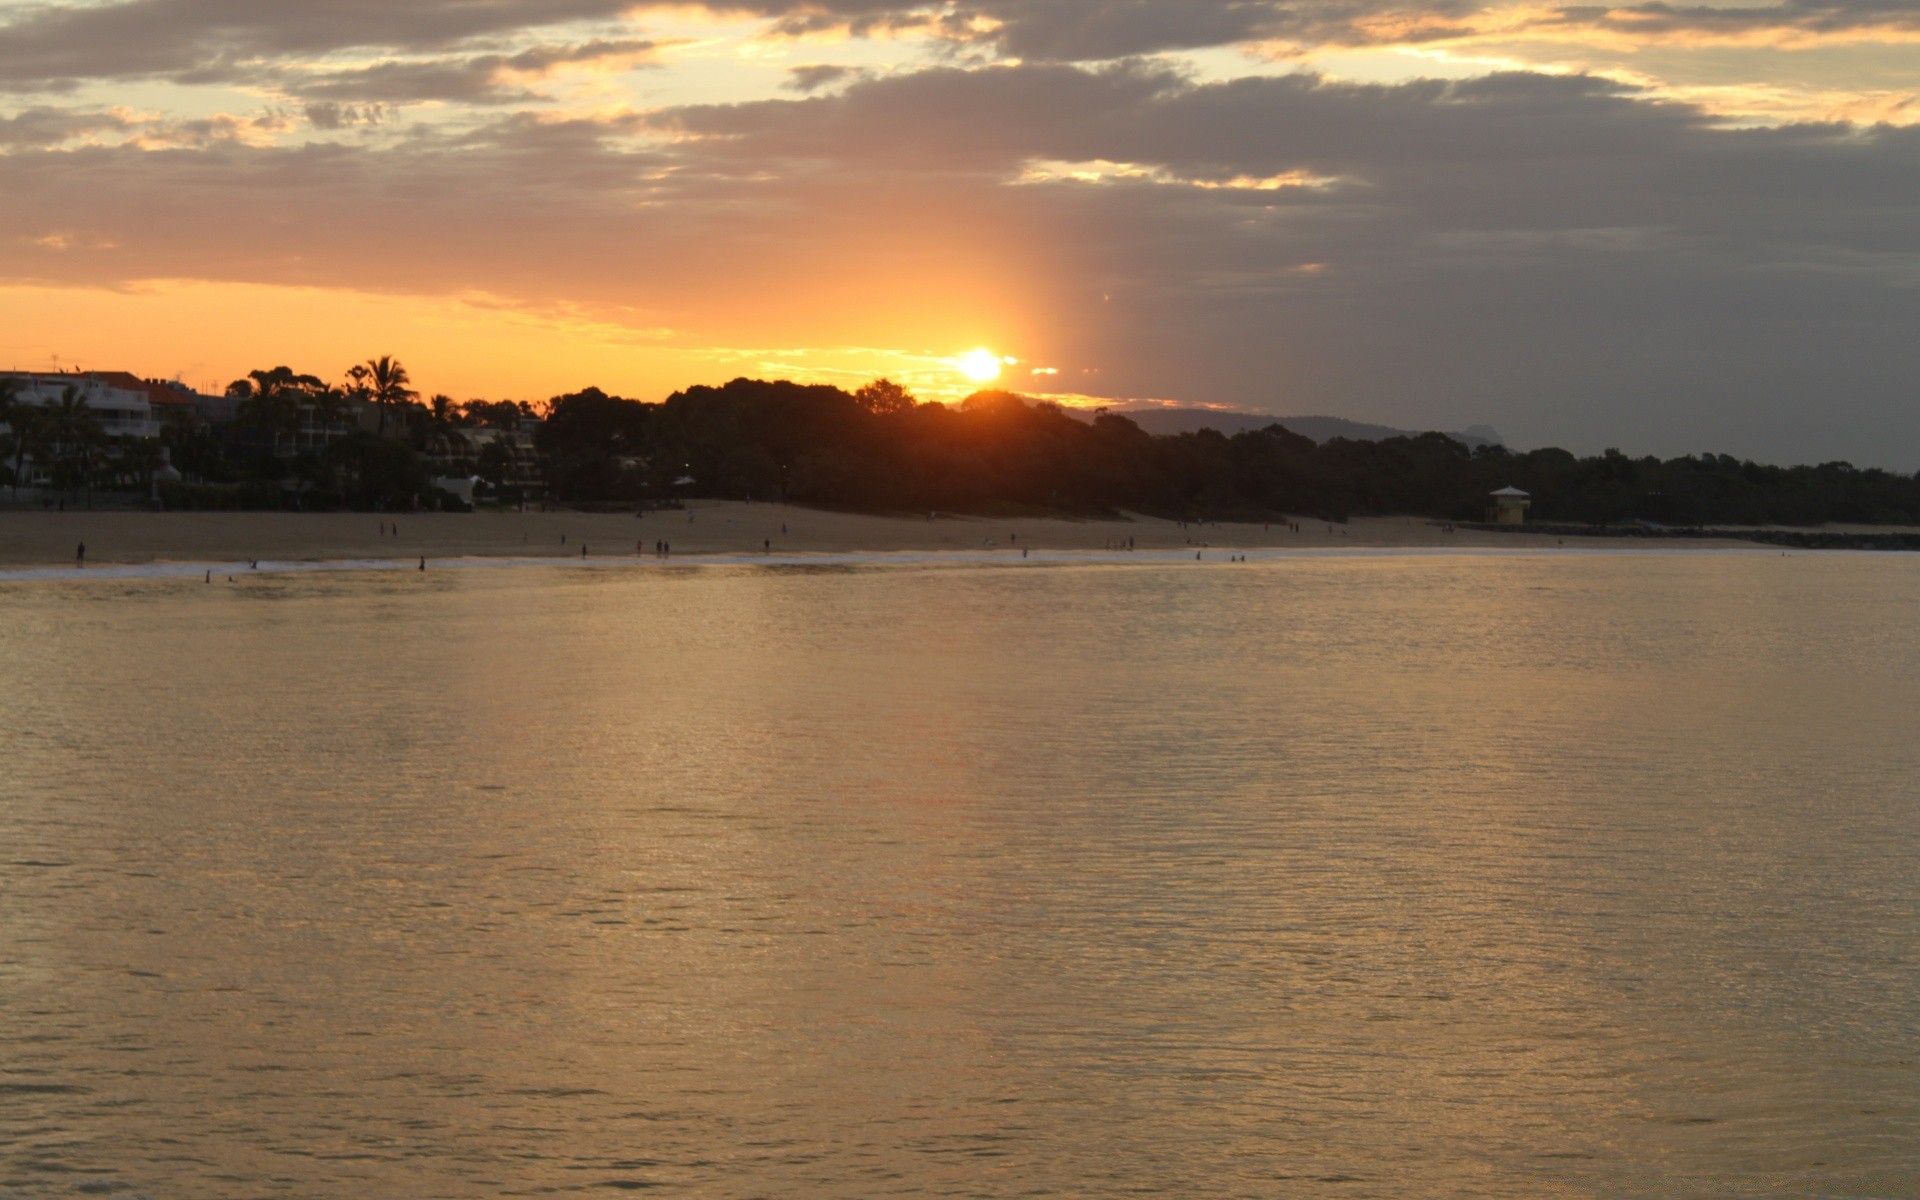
(129, 410)
(121, 402)
(1510, 506)
(460, 452)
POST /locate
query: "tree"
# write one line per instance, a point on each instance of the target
(494, 463)
(76, 437)
(496, 414)
(21, 418)
(884, 396)
(331, 406)
(271, 400)
(385, 381)
(142, 459)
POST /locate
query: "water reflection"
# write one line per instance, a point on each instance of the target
(1370, 877)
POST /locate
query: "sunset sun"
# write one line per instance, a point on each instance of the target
(981, 366)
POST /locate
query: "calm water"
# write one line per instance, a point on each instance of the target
(1569, 875)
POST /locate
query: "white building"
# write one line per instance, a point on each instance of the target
(122, 403)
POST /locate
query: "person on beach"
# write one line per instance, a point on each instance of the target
(583, 550)
(80, 556)
(768, 543)
(423, 562)
(209, 575)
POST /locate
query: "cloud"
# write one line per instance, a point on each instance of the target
(1562, 255)
(60, 46)
(57, 45)
(487, 79)
(1794, 22)
(37, 128)
(813, 77)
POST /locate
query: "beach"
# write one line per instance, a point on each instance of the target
(29, 538)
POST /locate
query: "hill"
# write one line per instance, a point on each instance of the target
(1165, 421)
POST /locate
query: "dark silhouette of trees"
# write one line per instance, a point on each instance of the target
(884, 396)
(271, 401)
(77, 441)
(877, 448)
(22, 422)
(1001, 452)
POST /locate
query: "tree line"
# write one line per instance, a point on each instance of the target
(298, 441)
(878, 448)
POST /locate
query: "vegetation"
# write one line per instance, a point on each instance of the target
(878, 449)
(298, 442)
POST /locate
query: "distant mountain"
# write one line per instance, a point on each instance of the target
(1320, 429)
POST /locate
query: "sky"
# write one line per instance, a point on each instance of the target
(1665, 227)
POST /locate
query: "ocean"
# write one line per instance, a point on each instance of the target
(1583, 874)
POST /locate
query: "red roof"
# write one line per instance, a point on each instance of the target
(156, 393)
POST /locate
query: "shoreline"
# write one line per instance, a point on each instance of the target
(43, 544)
(212, 572)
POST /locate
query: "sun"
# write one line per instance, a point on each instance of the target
(981, 366)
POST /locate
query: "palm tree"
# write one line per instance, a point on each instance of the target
(76, 436)
(331, 407)
(386, 383)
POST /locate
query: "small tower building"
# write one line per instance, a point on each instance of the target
(1510, 506)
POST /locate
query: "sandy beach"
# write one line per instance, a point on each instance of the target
(50, 539)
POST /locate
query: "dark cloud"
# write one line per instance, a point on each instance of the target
(41, 127)
(472, 79)
(330, 116)
(1801, 17)
(815, 76)
(51, 45)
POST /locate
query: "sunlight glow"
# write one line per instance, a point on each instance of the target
(981, 366)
